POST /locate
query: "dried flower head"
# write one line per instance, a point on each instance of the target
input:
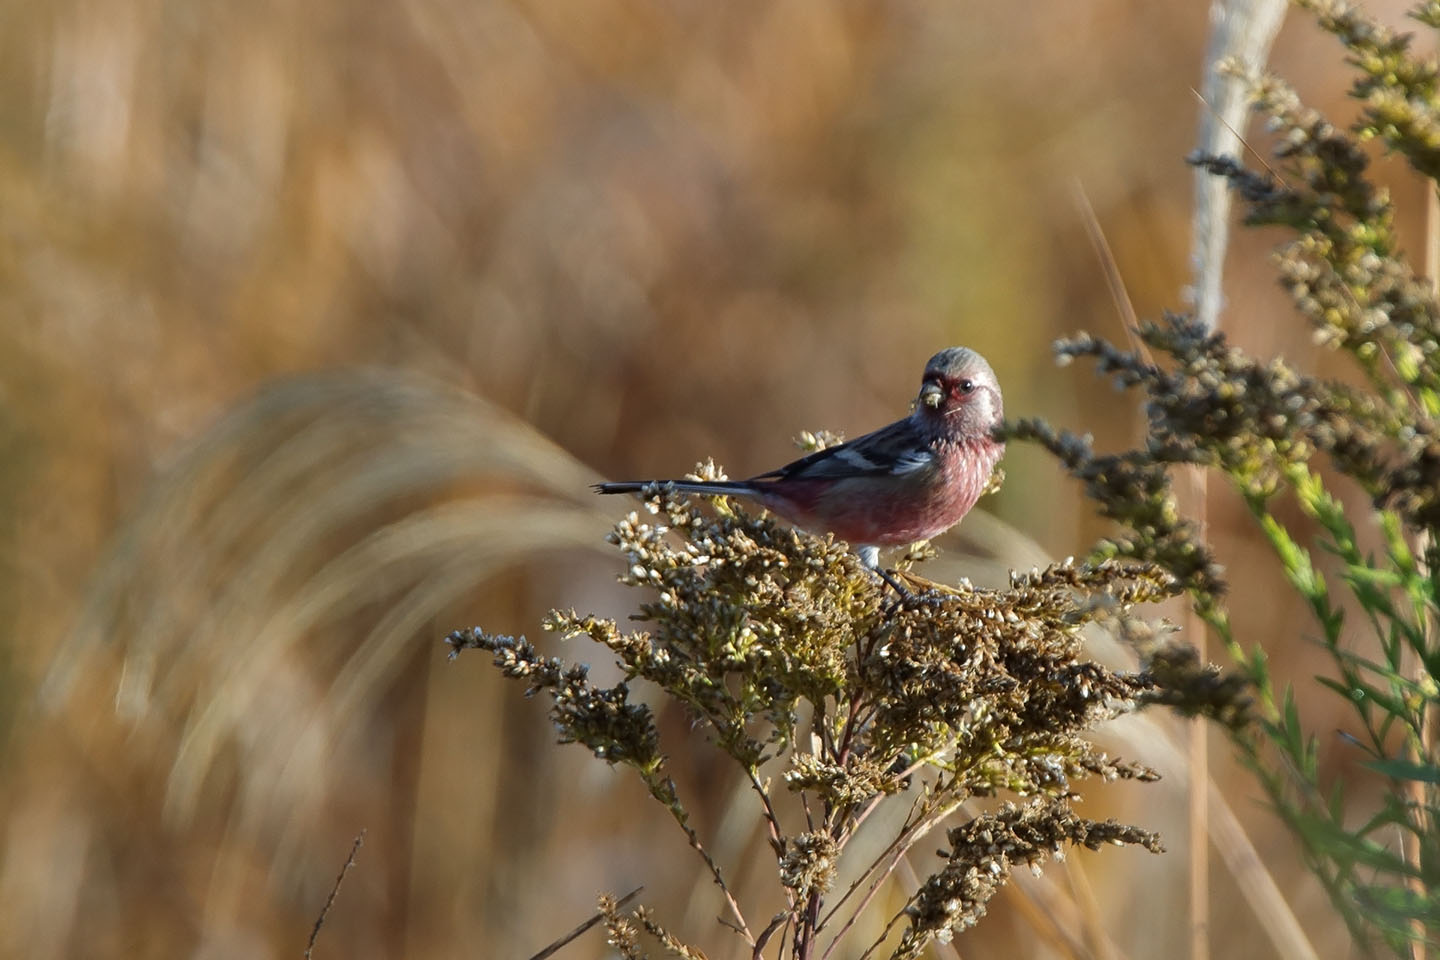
(984, 851)
(790, 656)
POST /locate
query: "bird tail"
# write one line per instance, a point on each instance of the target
(705, 488)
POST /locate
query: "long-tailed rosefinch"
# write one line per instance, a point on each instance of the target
(910, 481)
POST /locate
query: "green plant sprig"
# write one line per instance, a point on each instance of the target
(1261, 425)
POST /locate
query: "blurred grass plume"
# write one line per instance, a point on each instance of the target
(324, 502)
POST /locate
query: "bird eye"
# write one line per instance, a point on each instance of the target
(967, 386)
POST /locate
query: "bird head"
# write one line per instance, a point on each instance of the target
(959, 393)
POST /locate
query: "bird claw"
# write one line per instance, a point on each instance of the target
(889, 578)
(931, 599)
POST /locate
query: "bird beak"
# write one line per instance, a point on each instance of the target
(931, 394)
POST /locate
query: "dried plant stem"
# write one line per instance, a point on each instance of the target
(1255, 881)
(1245, 32)
(874, 864)
(777, 834)
(593, 921)
(664, 791)
(1100, 945)
(1426, 745)
(809, 929)
(1042, 920)
(1199, 813)
(334, 892)
(908, 876)
(1198, 787)
(803, 603)
(854, 825)
(1114, 281)
(890, 925)
(1197, 790)
(897, 850)
(1418, 752)
(781, 922)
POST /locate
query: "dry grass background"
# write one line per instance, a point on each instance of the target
(316, 319)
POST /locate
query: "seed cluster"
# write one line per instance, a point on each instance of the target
(984, 851)
(804, 668)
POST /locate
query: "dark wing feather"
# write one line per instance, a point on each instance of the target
(850, 459)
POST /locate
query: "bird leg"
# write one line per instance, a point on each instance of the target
(889, 578)
(870, 557)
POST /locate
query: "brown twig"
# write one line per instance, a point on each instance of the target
(658, 789)
(777, 835)
(874, 864)
(1114, 281)
(739, 925)
(1197, 791)
(778, 921)
(1097, 941)
(853, 826)
(906, 872)
(851, 725)
(917, 832)
(1424, 749)
(1041, 916)
(334, 892)
(573, 934)
(884, 934)
(1240, 137)
(1198, 807)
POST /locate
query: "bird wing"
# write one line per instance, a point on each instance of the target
(897, 449)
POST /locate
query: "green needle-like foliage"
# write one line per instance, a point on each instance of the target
(1266, 429)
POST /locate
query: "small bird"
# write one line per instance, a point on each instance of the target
(909, 481)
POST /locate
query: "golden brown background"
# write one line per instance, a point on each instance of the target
(284, 288)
